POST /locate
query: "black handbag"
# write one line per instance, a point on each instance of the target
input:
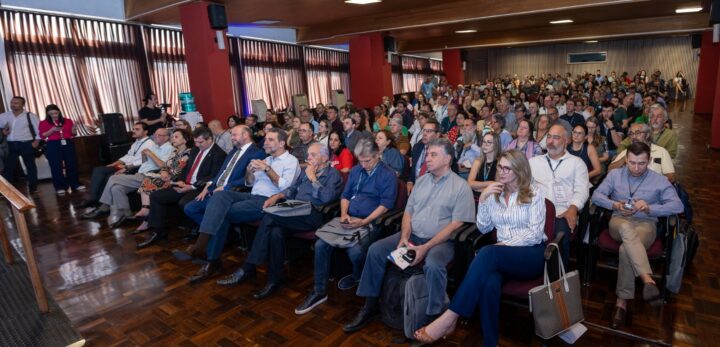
(42, 145)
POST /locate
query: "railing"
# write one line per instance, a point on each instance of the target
(21, 204)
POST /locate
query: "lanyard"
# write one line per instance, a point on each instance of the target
(140, 146)
(363, 179)
(630, 190)
(556, 166)
(487, 167)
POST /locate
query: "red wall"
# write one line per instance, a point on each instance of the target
(208, 66)
(370, 72)
(452, 67)
(707, 75)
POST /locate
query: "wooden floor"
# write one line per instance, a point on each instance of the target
(117, 296)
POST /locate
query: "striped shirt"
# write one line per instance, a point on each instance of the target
(516, 224)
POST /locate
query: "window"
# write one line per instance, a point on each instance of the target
(589, 57)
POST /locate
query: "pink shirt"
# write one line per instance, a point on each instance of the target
(48, 124)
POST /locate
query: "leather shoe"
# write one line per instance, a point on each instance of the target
(618, 317)
(362, 319)
(235, 278)
(117, 222)
(151, 240)
(206, 271)
(87, 203)
(266, 291)
(651, 292)
(98, 212)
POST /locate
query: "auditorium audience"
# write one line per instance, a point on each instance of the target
(439, 204)
(661, 134)
(396, 128)
(580, 148)
(389, 153)
(524, 142)
(205, 160)
(542, 125)
(59, 132)
(23, 137)
(299, 151)
(661, 162)
(232, 121)
(221, 136)
(482, 173)
(132, 160)
(267, 177)
(381, 118)
(323, 132)
(371, 190)
(340, 157)
(418, 167)
(637, 196)
(516, 211)
(497, 124)
(319, 184)
(151, 114)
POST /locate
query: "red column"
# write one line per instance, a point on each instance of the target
(370, 72)
(715, 125)
(452, 67)
(208, 66)
(707, 73)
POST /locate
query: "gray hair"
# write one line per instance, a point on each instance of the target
(498, 118)
(643, 127)
(396, 120)
(654, 107)
(366, 147)
(324, 150)
(443, 143)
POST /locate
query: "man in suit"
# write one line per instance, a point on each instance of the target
(204, 163)
(430, 131)
(230, 176)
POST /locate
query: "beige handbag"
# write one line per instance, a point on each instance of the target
(556, 306)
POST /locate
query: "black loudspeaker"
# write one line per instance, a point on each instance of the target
(216, 14)
(715, 12)
(463, 55)
(696, 40)
(389, 44)
(113, 126)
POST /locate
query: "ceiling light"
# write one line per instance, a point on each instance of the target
(266, 22)
(562, 21)
(688, 9)
(468, 31)
(591, 41)
(362, 2)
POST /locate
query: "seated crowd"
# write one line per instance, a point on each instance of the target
(488, 153)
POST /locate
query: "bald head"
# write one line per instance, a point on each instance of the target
(216, 127)
(557, 140)
(240, 135)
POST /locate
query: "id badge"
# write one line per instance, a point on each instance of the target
(63, 142)
(561, 196)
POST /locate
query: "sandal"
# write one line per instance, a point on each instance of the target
(140, 214)
(422, 336)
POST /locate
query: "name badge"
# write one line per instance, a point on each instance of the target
(63, 142)
(561, 196)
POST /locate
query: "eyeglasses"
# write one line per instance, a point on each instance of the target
(579, 133)
(635, 133)
(504, 169)
(429, 131)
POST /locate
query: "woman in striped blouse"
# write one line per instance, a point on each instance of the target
(516, 210)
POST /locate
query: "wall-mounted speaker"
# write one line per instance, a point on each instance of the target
(113, 126)
(715, 12)
(339, 99)
(389, 44)
(696, 40)
(216, 14)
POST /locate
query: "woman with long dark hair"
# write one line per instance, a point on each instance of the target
(340, 157)
(59, 131)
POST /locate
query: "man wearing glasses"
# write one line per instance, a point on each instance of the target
(660, 160)
(564, 180)
(430, 131)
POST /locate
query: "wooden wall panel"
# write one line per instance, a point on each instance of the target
(669, 54)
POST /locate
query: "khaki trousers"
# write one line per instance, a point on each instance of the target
(636, 236)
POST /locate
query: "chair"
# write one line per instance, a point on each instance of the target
(602, 243)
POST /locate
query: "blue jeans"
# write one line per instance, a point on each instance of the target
(435, 268)
(323, 254)
(483, 282)
(225, 208)
(25, 150)
(195, 210)
(57, 155)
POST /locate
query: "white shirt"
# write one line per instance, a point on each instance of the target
(19, 130)
(231, 168)
(441, 113)
(568, 185)
(134, 155)
(162, 152)
(516, 224)
(286, 166)
(203, 154)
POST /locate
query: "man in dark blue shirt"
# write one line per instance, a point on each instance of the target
(319, 184)
(371, 190)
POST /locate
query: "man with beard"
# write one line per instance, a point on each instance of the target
(661, 162)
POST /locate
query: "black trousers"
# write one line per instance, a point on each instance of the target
(24, 150)
(163, 199)
(98, 180)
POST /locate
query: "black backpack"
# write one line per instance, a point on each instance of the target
(392, 297)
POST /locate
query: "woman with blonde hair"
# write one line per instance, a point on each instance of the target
(516, 210)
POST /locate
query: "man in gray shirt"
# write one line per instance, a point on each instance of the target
(439, 204)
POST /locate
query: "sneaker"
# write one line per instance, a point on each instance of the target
(60, 192)
(347, 282)
(310, 302)
(80, 188)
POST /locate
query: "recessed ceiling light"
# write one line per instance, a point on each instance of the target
(591, 41)
(266, 22)
(362, 2)
(688, 9)
(468, 31)
(562, 21)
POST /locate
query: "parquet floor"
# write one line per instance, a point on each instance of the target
(117, 296)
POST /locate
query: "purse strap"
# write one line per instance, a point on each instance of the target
(546, 277)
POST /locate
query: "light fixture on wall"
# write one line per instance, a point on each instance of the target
(466, 31)
(266, 22)
(591, 41)
(562, 21)
(689, 9)
(362, 2)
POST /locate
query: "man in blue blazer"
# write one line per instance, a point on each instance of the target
(230, 176)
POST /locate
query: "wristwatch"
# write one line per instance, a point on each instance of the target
(267, 168)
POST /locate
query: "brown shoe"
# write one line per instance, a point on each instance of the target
(651, 292)
(618, 318)
(207, 271)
